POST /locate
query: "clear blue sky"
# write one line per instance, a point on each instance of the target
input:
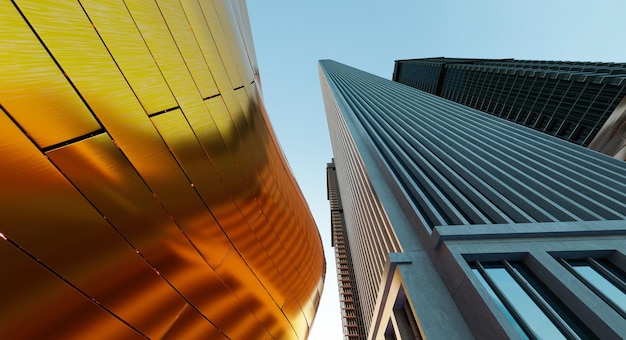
(291, 36)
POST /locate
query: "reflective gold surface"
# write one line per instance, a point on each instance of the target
(142, 191)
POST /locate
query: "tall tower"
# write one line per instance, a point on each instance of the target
(143, 193)
(351, 312)
(582, 102)
(461, 224)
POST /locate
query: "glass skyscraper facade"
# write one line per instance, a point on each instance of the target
(575, 101)
(143, 193)
(461, 224)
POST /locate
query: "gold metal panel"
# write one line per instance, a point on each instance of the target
(287, 226)
(236, 135)
(217, 300)
(253, 294)
(207, 234)
(296, 317)
(191, 325)
(220, 38)
(110, 96)
(45, 214)
(248, 244)
(240, 11)
(189, 49)
(33, 89)
(102, 173)
(248, 122)
(78, 49)
(247, 204)
(157, 36)
(279, 216)
(233, 109)
(36, 304)
(224, 145)
(141, 143)
(120, 35)
(309, 306)
(214, 130)
(207, 46)
(117, 107)
(130, 207)
(246, 103)
(220, 182)
(282, 263)
(233, 35)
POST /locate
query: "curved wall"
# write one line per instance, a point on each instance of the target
(143, 192)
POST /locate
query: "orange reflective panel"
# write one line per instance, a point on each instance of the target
(141, 194)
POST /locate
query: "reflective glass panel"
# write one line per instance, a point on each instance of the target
(566, 316)
(534, 317)
(504, 310)
(606, 287)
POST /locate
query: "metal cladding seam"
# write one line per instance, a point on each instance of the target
(143, 191)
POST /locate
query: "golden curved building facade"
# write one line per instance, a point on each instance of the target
(142, 190)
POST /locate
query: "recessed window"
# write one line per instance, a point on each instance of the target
(603, 278)
(531, 308)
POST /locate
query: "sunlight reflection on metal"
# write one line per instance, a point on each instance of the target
(143, 190)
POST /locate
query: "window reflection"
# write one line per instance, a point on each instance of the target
(529, 316)
(531, 308)
(503, 308)
(605, 279)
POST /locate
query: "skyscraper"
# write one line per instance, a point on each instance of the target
(462, 224)
(349, 301)
(582, 102)
(143, 193)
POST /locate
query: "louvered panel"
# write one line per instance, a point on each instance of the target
(419, 132)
